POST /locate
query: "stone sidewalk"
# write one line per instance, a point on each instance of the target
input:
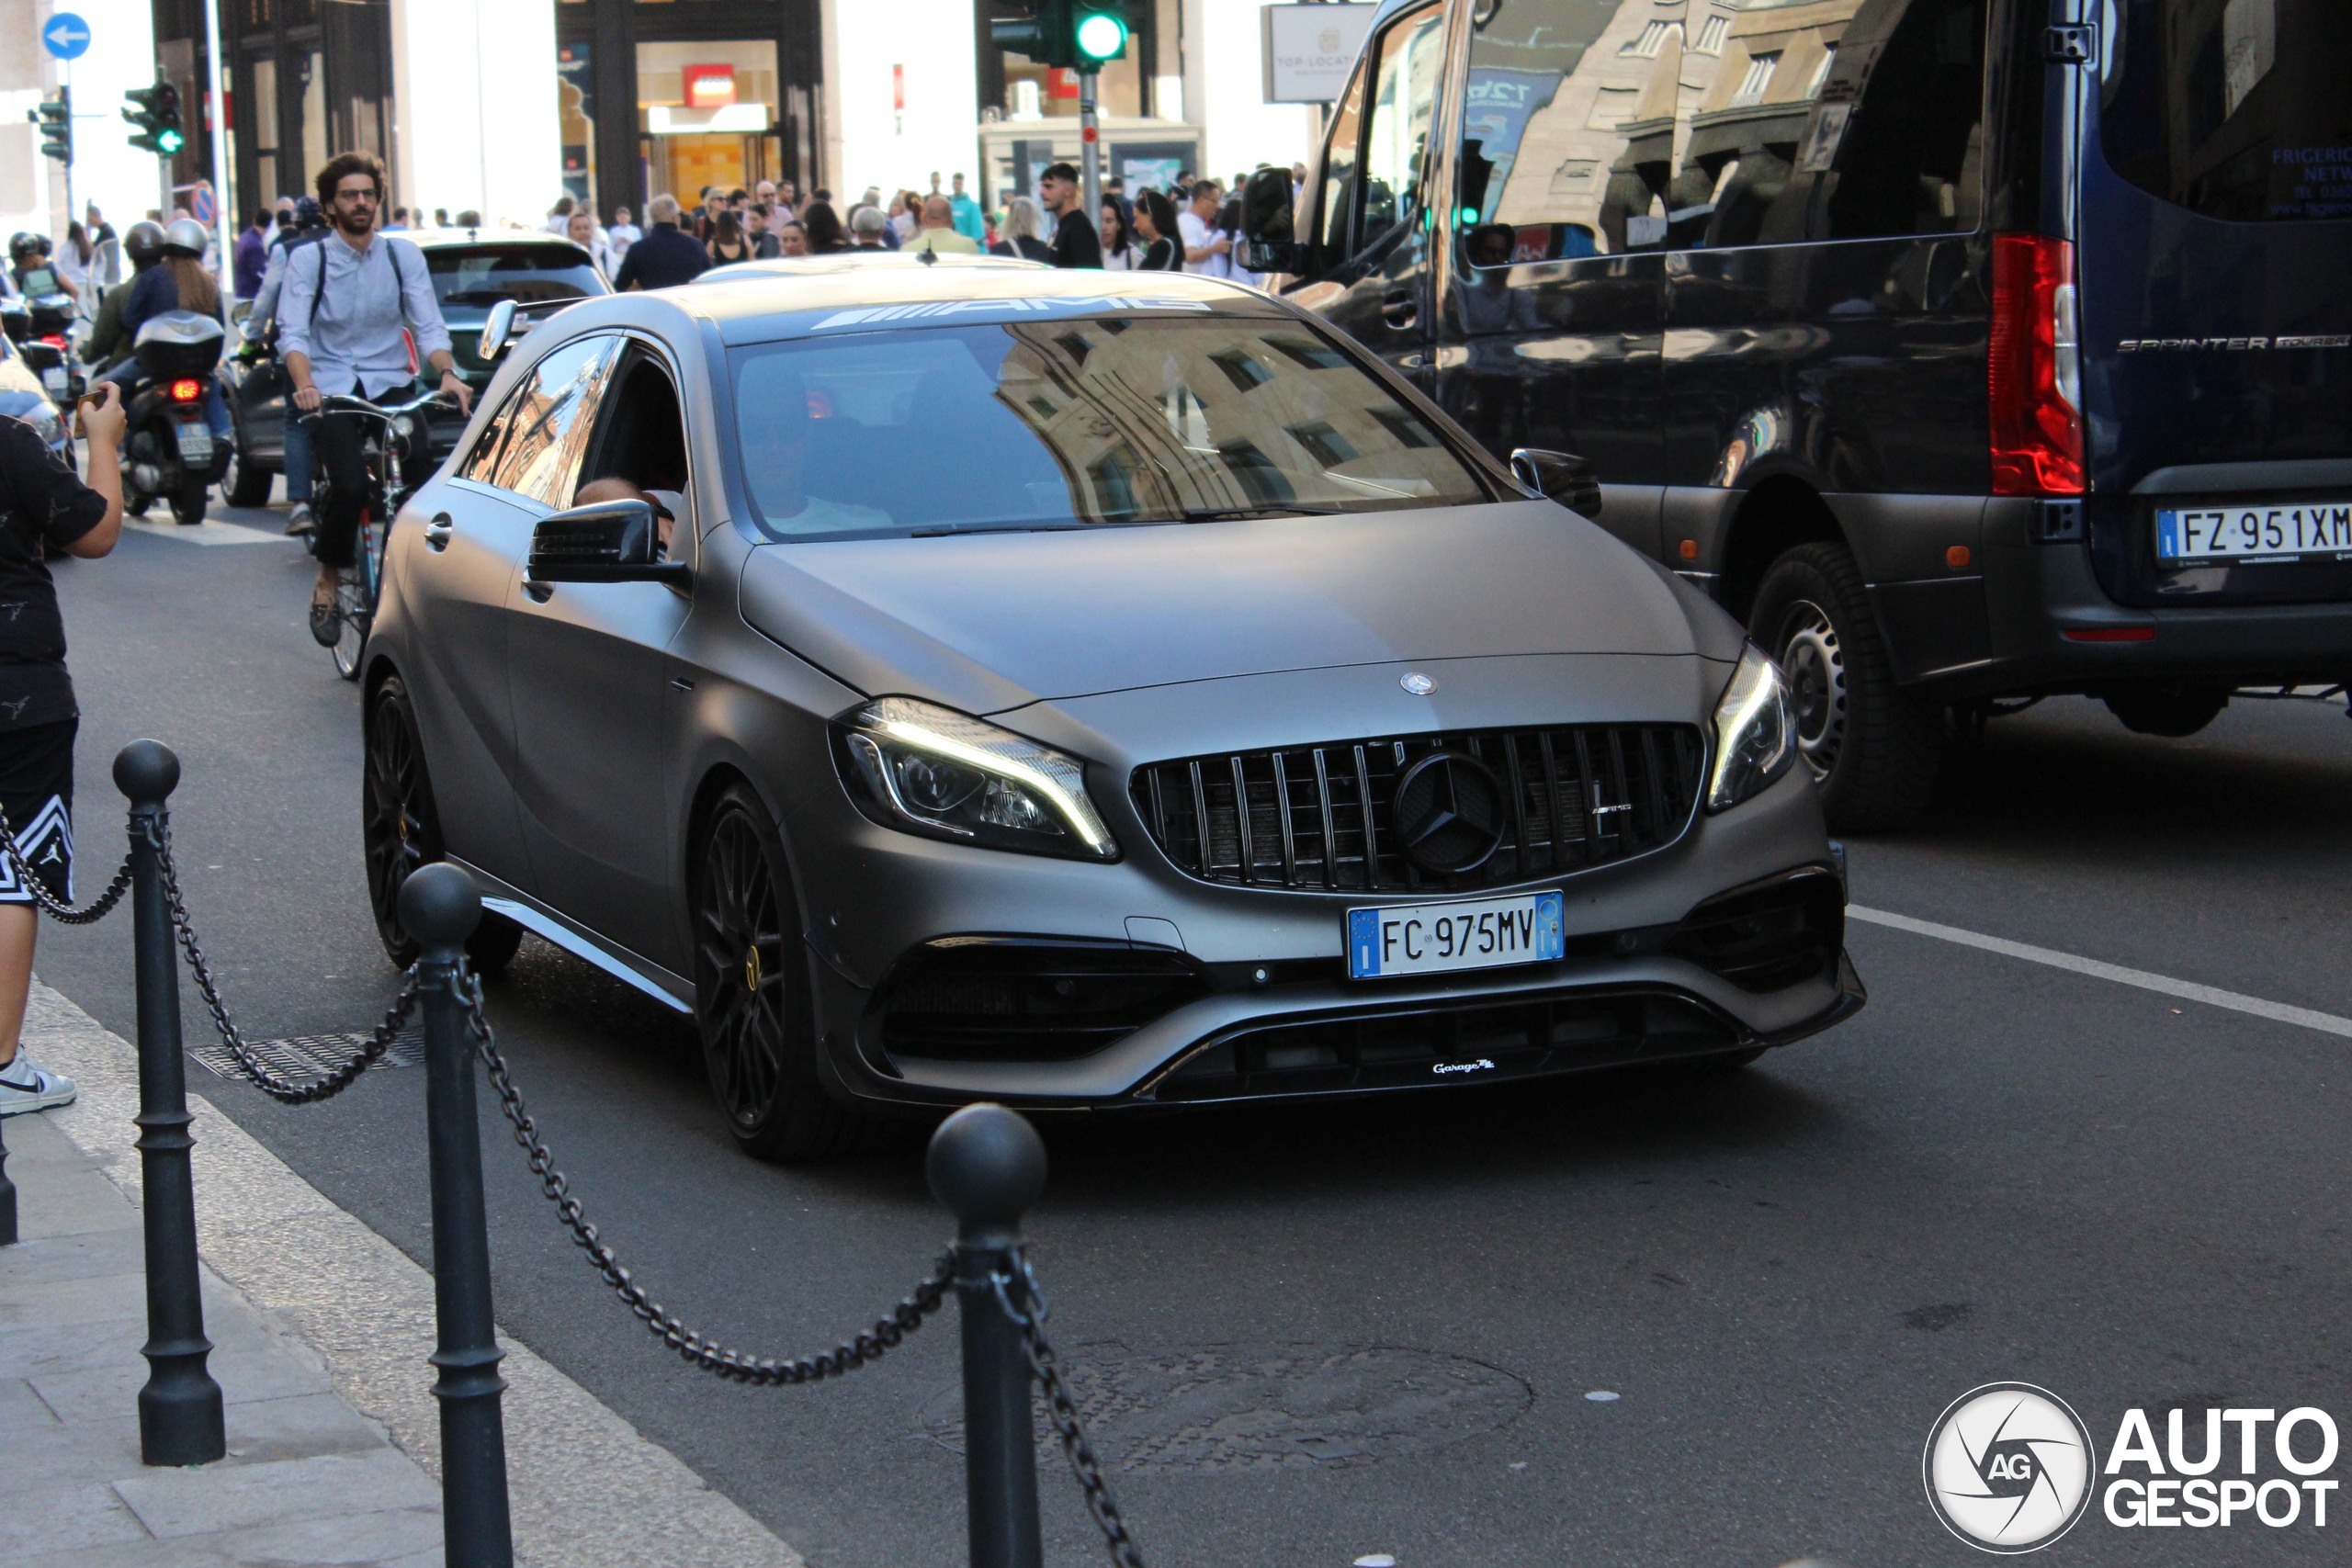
(320, 1328)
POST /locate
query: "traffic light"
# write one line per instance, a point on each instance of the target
(1098, 34)
(55, 117)
(157, 117)
(1076, 35)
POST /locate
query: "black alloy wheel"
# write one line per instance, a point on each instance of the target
(751, 998)
(1873, 749)
(401, 832)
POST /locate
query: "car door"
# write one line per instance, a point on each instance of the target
(464, 564)
(588, 681)
(1371, 241)
(455, 549)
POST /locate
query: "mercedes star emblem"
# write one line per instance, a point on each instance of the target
(1416, 682)
(1450, 809)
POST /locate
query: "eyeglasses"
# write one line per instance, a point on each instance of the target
(369, 196)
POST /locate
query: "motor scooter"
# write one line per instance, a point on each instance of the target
(172, 451)
(39, 328)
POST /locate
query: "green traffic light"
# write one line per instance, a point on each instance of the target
(170, 141)
(1102, 36)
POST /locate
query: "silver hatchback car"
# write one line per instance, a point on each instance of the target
(1078, 690)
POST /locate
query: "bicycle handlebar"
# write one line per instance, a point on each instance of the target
(339, 402)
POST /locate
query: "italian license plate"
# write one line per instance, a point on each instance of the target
(2289, 532)
(196, 447)
(1438, 939)
(54, 378)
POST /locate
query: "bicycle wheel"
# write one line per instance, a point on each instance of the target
(356, 597)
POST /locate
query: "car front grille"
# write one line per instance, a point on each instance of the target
(1323, 818)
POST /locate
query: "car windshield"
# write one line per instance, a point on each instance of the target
(1075, 422)
(484, 275)
(2234, 110)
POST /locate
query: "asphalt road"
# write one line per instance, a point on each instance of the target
(1999, 1171)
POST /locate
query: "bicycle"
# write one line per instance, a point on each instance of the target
(395, 467)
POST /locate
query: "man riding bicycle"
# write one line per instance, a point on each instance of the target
(340, 314)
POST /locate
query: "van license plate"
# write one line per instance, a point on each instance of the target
(2321, 528)
(1438, 939)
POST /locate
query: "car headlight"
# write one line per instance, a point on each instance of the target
(1756, 732)
(924, 768)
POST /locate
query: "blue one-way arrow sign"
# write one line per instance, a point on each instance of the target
(67, 36)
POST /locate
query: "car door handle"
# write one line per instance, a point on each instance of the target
(436, 533)
(1402, 309)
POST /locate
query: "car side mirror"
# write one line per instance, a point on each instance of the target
(1267, 240)
(610, 541)
(496, 330)
(1568, 479)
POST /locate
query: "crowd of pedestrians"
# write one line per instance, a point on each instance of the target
(1193, 226)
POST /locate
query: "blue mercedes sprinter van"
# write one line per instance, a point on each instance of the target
(1970, 351)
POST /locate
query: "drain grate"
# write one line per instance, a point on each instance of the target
(311, 1055)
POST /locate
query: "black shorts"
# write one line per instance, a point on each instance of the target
(37, 788)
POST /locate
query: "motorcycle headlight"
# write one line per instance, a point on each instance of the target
(1756, 732)
(928, 770)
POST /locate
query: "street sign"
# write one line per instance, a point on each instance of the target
(200, 204)
(1308, 51)
(66, 36)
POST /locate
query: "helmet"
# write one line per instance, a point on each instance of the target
(143, 243)
(24, 246)
(305, 212)
(186, 237)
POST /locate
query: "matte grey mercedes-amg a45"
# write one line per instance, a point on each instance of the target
(1076, 690)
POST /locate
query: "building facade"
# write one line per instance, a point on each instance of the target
(502, 105)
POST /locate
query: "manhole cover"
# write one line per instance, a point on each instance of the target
(1249, 1407)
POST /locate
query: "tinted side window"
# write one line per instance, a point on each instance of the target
(1601, 126)
(553, 412)
(1336, 233)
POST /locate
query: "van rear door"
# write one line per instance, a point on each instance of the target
(2215, 266)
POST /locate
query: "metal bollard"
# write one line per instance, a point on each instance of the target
(179, 1410)
(987, 1165)
(440, 907)
(7, 1200)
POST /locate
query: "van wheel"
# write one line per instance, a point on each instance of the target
(1873, 749)
(752, 1005)
(2166, 709)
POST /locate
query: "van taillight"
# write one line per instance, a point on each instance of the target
(2036, 371)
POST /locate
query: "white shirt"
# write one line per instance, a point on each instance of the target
(620, 237)
(1196, 234)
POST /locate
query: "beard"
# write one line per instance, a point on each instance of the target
(354, 223)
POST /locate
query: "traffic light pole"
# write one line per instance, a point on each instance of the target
(1089, 140)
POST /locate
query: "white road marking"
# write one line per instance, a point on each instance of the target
(204, 533)
(2325, 1022)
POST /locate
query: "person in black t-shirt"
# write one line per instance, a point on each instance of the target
(41, 501)
(1075, 243)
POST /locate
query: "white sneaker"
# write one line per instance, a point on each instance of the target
(26, 1085)
(300, 520)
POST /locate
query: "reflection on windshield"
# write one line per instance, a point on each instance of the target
(525, 274)
(1075, 421)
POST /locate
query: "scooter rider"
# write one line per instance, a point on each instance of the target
(108, 342)
(180, 283)
(339, 331)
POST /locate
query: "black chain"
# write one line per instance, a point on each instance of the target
(766, 1371)
(1062, 1409)
(63, 913)
(289, 1091)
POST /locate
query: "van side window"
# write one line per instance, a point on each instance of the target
(1592, 127)
(1372, 182)
(1895, 144)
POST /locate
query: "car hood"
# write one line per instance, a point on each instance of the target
(988, 622)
